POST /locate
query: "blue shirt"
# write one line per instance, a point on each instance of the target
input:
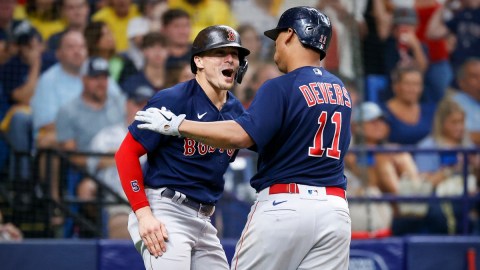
(136, 80)
(466, 27)
(410, 134)
(183, 164)
(300, 123)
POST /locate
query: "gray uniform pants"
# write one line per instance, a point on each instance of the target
(193, 242)
(308, 230)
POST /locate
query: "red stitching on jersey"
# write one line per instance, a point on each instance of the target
(243, 236)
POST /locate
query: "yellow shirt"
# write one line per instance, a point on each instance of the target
(45, 28)
(206, 13)
(117, 25)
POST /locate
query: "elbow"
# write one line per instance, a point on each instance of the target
(240, 140)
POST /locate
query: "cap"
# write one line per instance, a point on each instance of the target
(23, 32)
(141, 94)
(405, 15)
(95, 66)
(137, 27)
(367, 111)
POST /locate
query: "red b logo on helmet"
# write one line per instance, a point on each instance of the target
(231, 36)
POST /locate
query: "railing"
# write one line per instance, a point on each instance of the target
(43, 170)
(465, 198)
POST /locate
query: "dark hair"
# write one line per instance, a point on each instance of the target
(461, 70)
(246, 27)
(154, 38)
(51, 15)
(397, 73)
(93, 33)
(173, 14)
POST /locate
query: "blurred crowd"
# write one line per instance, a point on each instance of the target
(74, 72)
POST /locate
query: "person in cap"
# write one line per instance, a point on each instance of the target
(79, 120)
(403, 48)
(174, 199)
(107, 140)
(300, 125)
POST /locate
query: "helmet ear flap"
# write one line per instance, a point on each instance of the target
(242, 69)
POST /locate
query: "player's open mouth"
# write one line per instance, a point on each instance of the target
(228, 72)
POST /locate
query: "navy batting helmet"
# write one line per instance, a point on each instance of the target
(219, 36)
(312, 27)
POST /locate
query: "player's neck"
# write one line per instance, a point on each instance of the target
(305, 58)
(217, 96)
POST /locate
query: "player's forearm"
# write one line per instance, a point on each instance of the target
(220, 134)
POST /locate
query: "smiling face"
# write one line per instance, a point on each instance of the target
(218, 67)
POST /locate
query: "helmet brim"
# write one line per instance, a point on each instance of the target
(273, 33)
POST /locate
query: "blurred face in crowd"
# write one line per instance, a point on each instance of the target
(72, 51)
(375, 131)
(470, 81)
(454, 126)
(106, 41)
(44, 5)
(156, 55)
(409, 87)
(471, 3)
(251, 41)
(76, 12)
(219, 67)
(178, 31)
(6, 11)
(186, 74)
(121, 7)
(95, 88)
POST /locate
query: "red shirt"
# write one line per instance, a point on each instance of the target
(437, 49)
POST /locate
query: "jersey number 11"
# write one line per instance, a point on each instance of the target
(318, 148)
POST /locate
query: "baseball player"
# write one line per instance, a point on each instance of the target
(300, 125)
(172, 204)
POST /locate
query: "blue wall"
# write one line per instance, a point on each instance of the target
(446, 253)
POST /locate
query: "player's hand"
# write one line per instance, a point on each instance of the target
(153, 232)
(160, 120)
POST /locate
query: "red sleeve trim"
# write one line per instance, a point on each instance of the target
(130, 171)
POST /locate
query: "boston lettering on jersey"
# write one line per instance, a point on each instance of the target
(320, 93)
(191, 146)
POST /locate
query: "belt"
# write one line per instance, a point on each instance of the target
(293, 188)
(204, 209)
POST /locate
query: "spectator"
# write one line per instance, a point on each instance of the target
(439, 73)
(251, 40)
(411, 120)
(133, 60)
(181, 72)
(81, 119)
(75, 13)
(445, 170)
(176, 25)
(468, 97)
(107, 140)
(19, 78)
(152, 11)
(154, 48)
(60, 85)
(463, 27)
(389, 173)
(7, 24)
(264, 73)
(374, 30)
(9, 232)
(44, 16)
(101, 43)
(204, 13)
(117, 16)
(403, 48)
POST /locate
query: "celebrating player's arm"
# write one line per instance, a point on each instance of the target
(222, 134)
(152, 230)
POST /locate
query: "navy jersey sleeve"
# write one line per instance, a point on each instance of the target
(264, 117)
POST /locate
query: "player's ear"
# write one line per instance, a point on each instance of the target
(289, 35)
(198, 62)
